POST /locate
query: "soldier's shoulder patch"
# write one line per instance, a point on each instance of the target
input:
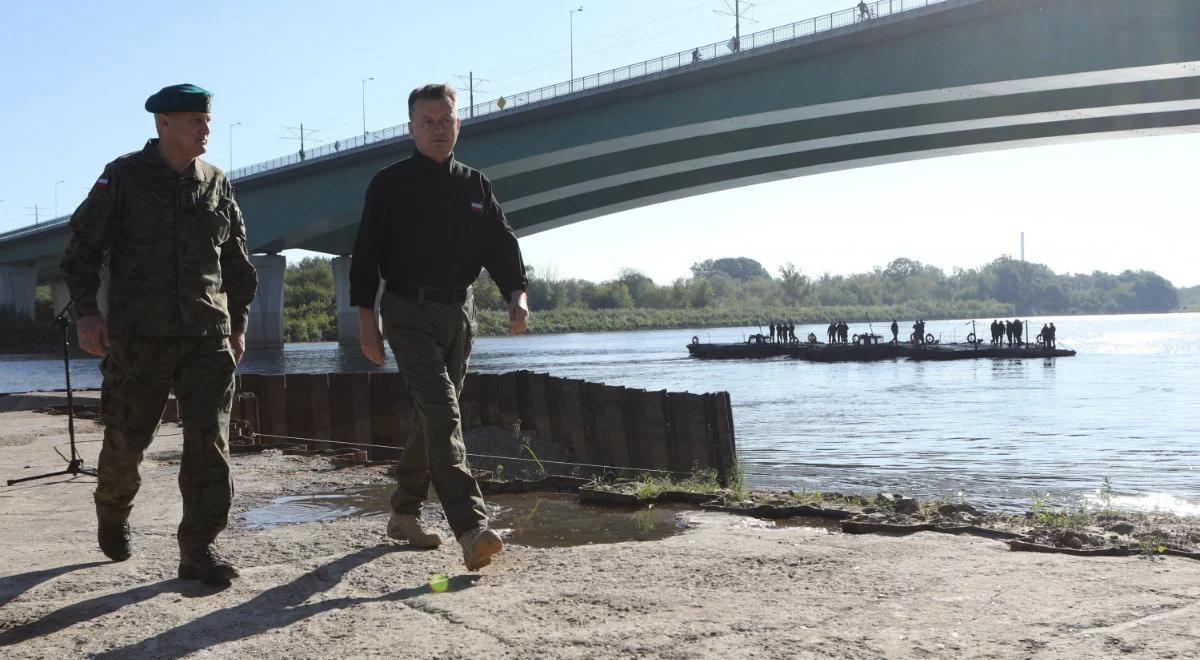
(102, 182)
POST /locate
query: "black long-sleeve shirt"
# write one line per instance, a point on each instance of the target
(431, 224)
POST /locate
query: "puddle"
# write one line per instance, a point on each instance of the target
(549, 520)
(296, 509)
(540, 520)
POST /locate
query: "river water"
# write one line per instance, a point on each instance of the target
(993, 432)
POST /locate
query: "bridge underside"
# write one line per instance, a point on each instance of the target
(571, 191)
(661, 172)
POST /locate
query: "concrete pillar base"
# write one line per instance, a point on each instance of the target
(265, 328)
(60, 295)
(347, 314)
(18, 288)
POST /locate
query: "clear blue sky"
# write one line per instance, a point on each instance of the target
(74, 76)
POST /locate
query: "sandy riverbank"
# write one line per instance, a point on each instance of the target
(729, 586)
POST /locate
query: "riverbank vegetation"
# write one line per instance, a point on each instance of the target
(19, 333)
(309, 305)
(741, 292)
(1189, 299)
(1091, 525)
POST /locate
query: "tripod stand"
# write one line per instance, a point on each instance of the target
(75, 464)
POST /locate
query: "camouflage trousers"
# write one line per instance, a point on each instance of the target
(139, 373)
(432, 343)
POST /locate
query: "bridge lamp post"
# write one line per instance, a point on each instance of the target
(236, 123)
(572, 12)
(364, 105)
(56, 184)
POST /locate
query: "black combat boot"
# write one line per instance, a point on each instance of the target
(207, 567)
(114, 538)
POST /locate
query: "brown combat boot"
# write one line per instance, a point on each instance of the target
(206, 566)
(407, 527)
(478, 546)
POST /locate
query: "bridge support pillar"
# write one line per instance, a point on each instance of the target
(18, 288)
(347, 314)
(60, 294)
(266, 312)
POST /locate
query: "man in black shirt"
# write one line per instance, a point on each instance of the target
(429, 224)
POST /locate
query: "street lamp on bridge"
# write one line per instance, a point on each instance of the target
(364, 105)
(56, 184)
(236, 123)
(571, 84)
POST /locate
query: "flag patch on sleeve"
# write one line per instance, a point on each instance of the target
(477, 207)
(102, 182)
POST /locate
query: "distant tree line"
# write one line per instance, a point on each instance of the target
(1189, 299)
(19, 333)
(741, 283)
(739, 291)
(309, 305)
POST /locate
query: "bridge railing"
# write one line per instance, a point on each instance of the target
(679, 60)
(33, 229)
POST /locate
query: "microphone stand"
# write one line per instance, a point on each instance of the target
(75, 465)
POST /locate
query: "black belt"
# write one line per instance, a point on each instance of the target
(430, 293)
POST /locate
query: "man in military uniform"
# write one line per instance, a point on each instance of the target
(429, 224)
(166, 226)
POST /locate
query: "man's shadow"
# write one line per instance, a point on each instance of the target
(278, 607)
(91, 609)
(275, 608)
(15, 585)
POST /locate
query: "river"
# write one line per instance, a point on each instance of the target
(993, 432)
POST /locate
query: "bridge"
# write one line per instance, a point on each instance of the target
(913, 79)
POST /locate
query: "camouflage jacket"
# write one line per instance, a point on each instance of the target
(175, 246)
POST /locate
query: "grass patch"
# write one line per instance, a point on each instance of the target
(1107, 495)
(1066, 518)
(1150, 549)
(821, 498)
(541, 469)
(649, 486)
(737, 485)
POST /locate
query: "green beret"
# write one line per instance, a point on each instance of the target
(180, 98)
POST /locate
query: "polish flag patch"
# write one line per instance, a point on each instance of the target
(477, 207)
(101, 182)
